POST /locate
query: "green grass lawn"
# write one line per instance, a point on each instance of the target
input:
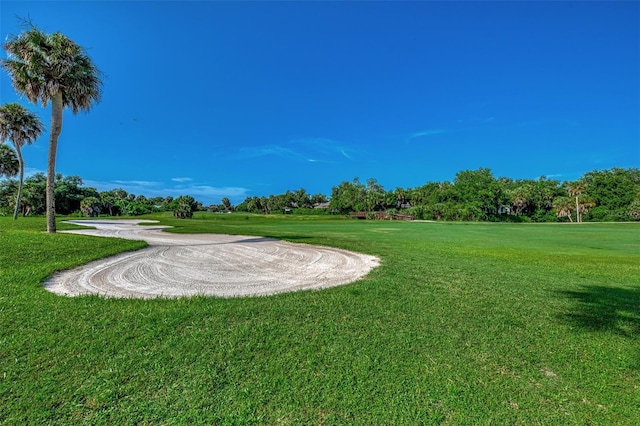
(461, 324)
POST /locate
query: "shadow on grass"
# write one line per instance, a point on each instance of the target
(601, 308)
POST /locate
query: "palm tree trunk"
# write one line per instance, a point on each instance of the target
(56, 129)
(577, 211)
(21, 162)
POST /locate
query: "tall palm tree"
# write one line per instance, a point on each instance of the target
(52, 68)
(20, 127)
(9, 165)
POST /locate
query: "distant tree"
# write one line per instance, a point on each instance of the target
(439, 210)
(243, 206)
(132, 208)
(543, 192)
(375, 196)
(429, 193)
(401, 196)
(52, 68)
(634, 209)
(226, 203)
(69, 193)
(563, 206)
(9, 164)
(108, 199)
(585, 203)
(613, 191)
(480, 190)
(318, 199)
(575, 189)
(274, 203)
(156, 202)
(348, 197)
(184, 206)
(120, 193)
(91, 206)
(301, 198)
(35, 194)
(8, 189)
(253, 204)
(521, 198)
(264, 203)
(532, 198)
(21, 127)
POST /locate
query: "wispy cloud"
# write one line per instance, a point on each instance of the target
(475, 121)
(182, 179)
(424, 133)
(323, 150)
(270, 150)
(313, 150)
(345, 154)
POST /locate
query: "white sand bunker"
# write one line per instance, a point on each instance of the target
(182, 265)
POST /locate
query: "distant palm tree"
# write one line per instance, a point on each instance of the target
(20, 127)
(575, 189)
(52, 68)
(562, 206)
(520, 198)
(584, 204)
(9, 165)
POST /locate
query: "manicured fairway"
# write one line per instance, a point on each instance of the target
(461, 324)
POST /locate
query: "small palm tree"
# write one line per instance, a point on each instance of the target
(20, 127)
(562, 206)
(9, 165)
(520, 198)
(575, 189)
(584, 204)
(52, 68)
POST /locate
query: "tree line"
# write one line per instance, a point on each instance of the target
(297, 200)
(72, 197)
(474, 195)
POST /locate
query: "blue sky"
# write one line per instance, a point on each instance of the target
(237, 99)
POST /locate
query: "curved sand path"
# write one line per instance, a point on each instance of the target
(182, 265)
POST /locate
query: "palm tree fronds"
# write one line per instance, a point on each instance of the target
(43, 65)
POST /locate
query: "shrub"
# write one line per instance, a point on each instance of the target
(184, 207)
